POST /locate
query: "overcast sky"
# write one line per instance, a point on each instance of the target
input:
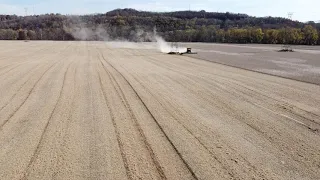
(304, 10)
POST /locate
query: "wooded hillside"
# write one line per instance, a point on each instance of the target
(184, 26)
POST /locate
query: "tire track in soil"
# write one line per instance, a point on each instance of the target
(225, 89)
(249, 96)
(286, 107)
(4, 67)
(314, 130)
(176, 118)
(187, 129)
(307, 123)
(189, 78)
(22, 63)
(156, 121)
(116, 129)
(117, 132)
(64, 142)
(136, 123)
(30, 92)
(18, 90)
(230, 111)
(24, 101)
(37, 149)
(246, 100)
(260, 93)
(15, 67)
(268, 100)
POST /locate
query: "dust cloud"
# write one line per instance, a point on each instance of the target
(136, 41)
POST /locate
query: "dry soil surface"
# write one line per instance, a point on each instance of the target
(302, 65)
(77, 110)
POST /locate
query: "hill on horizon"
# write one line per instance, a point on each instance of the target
(186, 26)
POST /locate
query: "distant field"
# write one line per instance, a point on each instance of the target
(95, 110)
(303, 64)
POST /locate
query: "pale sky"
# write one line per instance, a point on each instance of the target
(304, 10)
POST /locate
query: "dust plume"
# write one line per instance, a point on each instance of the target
(116, 38)
(164, 46)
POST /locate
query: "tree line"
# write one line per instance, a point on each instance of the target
(182, 26)
(307, 35)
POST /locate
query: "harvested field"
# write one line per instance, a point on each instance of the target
(86, 110)
(302, 65)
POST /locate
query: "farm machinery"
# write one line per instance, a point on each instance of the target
(180, 51)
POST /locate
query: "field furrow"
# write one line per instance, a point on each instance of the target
(89, 110)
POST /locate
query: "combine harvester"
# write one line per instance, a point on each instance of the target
(176, 50)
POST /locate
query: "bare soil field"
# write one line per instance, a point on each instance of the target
(87, 110)
(302, 65)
